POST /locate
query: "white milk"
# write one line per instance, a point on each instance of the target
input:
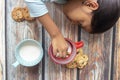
(29, 52)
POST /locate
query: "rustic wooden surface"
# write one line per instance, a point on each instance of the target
(2, 41)
(102, 49)
(99, 49)
(116, 70)
(17, 32)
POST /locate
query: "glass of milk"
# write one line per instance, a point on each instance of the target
(28, 53)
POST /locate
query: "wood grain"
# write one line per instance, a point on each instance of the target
(99, 49)
(17, 32)
(54, 71)
(2, 41)
(116, 68)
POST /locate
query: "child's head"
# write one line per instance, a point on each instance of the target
(93, 16)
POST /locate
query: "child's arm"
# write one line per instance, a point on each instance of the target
(38, 9)
(58, 41)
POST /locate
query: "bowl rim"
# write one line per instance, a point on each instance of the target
(26, 63)
(66, 60)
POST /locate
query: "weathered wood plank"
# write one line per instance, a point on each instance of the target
(98, 47)
(54, 71)
(16, 32)
(116, 72)
(99, 50)
(2, 41)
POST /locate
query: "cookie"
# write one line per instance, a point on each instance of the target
(26, 14)
(71, 64)
(79, 51)
(17, 14)
(81, 60)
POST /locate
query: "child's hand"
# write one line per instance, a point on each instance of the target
(60, 46)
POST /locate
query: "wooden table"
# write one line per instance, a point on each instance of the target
(103, 49)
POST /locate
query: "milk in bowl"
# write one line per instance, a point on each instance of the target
(28, 53)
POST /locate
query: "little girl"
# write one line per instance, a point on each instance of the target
(94, 16)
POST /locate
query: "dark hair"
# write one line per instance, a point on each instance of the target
(105, 16)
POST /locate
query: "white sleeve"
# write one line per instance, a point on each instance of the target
(36, 8)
